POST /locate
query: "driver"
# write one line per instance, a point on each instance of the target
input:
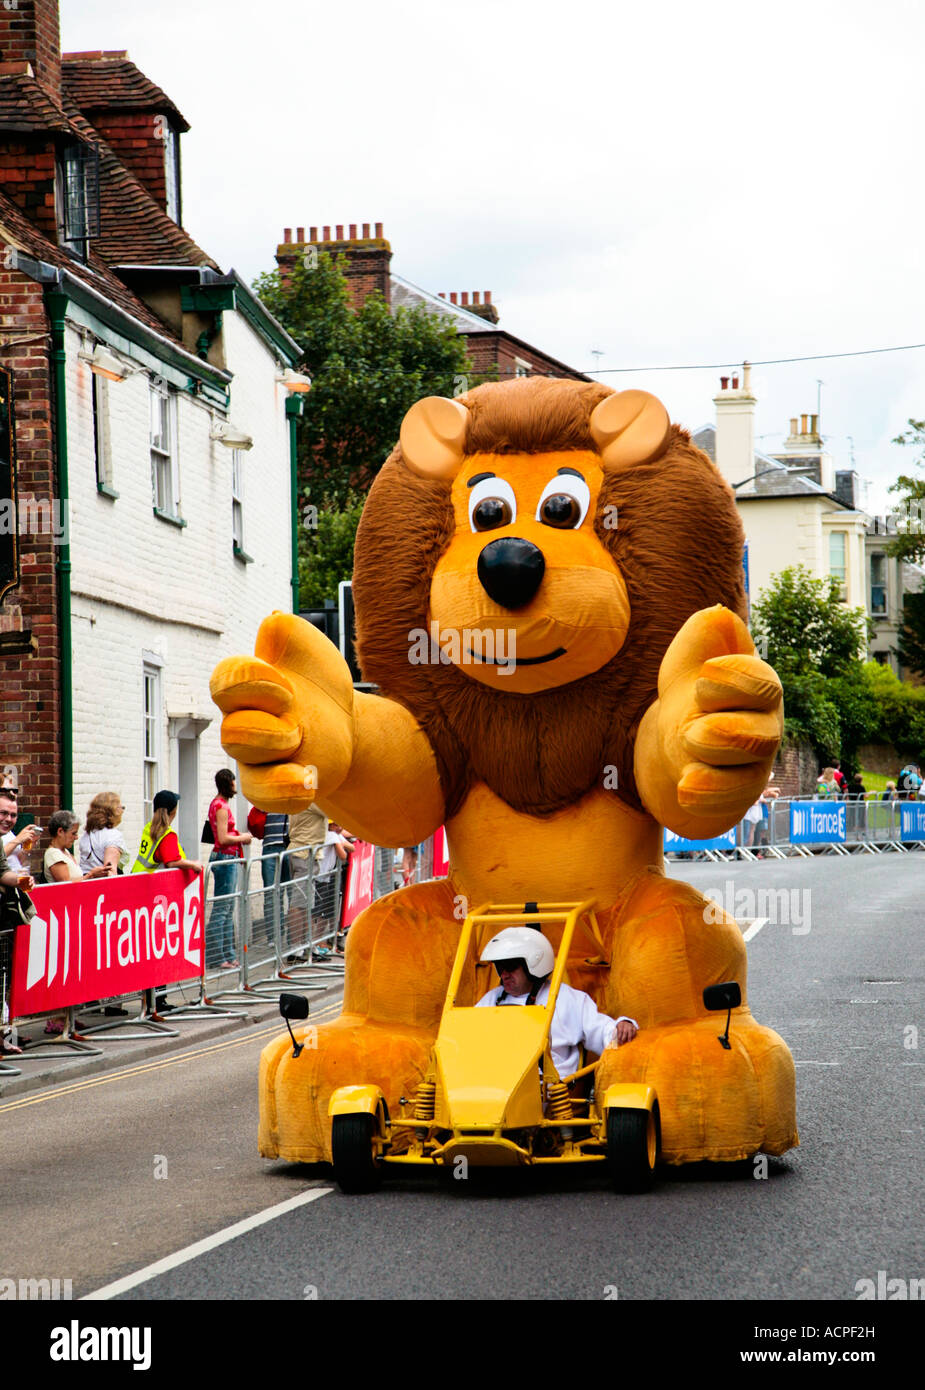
(524, 960)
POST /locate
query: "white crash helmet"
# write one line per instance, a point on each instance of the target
(522, 943)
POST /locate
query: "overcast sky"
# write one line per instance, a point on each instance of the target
(668, 183)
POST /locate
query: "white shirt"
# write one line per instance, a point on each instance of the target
(328, 857)
(576, 1020)
(93, 846)
(14, 860)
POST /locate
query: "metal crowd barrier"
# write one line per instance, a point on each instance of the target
(872, 826)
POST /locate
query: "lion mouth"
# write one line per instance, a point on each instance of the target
(519, 660)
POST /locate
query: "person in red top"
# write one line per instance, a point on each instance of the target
(228, 847)
(160, 849)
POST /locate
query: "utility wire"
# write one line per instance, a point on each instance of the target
(766, 362)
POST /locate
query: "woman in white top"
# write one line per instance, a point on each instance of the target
(60, 864)
(102, 844)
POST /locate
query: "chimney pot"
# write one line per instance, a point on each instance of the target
(803, 424)
(452, 296)
(812, 424)
(353, 231)
(379, 230)
(487, 296)
(735, 383)
(287, 234)
(464, 298)
(366, 231)
(724, 383)
(325, 233)
(441, 295)
(793, 424)
(313, 233)
(340, 231)
(475, 296)
(300, 233)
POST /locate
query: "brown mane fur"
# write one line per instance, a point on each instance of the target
(678, 544)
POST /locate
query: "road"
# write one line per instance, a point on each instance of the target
(124, 1169)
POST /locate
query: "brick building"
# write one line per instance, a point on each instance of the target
(146, 441)
(475, 316)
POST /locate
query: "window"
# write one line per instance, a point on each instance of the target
(237, 499)
(837, 547)
(102, 446)
(152, 737)
(172, 171)
(521, 368)
(78, 194)
(878, 604)
(165, 472)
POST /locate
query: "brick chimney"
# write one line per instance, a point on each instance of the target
(29, 33)
(735, 428)
(476, 302)
(367, 255)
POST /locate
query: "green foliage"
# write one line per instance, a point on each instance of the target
(909, 544)
(326, 540)
(813, 642)
(911, 649)
(901, 711)
(367, 367)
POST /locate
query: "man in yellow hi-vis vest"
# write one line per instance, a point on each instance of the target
(160, 848)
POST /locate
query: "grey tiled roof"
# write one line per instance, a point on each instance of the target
(772, 478)
(405, 295)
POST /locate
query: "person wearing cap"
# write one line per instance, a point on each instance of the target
(160, 848)
(524, 960)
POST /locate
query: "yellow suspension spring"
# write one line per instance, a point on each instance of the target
(425, 1100)
(558, 1102)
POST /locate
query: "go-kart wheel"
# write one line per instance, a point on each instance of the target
(352, 1154)
(633, 1141)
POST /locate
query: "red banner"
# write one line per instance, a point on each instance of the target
(105, 937)
(361, 875)
(441, 854)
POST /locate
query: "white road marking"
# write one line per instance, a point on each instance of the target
(817, 1064)
(755, 927)
(201, 1247)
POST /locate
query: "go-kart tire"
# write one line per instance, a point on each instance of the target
(633, 1142)
(352, 1157)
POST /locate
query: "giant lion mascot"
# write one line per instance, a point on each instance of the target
(585, 533)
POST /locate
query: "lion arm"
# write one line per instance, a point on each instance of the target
(392, 795)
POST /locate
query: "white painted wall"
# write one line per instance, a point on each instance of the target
(141, 585)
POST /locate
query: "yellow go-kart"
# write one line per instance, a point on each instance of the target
(492, 1096)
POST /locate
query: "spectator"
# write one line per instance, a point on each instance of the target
(59, 864)
(102, 844)
(16, 846)
(227, 850)
(890, 793)
(857, 791)
(307, 830)
(770, 793)
(332, 863)
(839, 776)
(273, 829)
(910, 780)
(827, 785)
(409, 861)
(160, 848)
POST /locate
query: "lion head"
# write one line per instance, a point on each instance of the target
(525, 557)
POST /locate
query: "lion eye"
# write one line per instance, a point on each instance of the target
(560, 510)
(491, 512)
(565, 500)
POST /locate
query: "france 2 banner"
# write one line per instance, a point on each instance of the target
(676, 844)
(106, 937)
(817, 822)
(361, 872)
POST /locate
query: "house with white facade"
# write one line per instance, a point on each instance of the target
(151, 408)
(798, 509)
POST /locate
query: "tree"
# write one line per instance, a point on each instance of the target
(909, 543)
(368, 367)
(326, 549)
(911, 649)
(814, 643)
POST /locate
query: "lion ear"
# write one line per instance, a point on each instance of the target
(629, 427)
(433, 437)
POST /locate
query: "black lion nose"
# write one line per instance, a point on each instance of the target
(511, 570)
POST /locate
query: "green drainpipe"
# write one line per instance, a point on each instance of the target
(293, 411)
(57, 306)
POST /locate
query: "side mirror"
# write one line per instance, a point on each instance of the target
(296, 1006)
(725, 996)
(293, 1006)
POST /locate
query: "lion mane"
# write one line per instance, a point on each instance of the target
(678, 543)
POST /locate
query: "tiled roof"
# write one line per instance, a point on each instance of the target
(26, 106)
(20, 233)
(405, 295)
(93, 84)
(772, 477)
(134, 230)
